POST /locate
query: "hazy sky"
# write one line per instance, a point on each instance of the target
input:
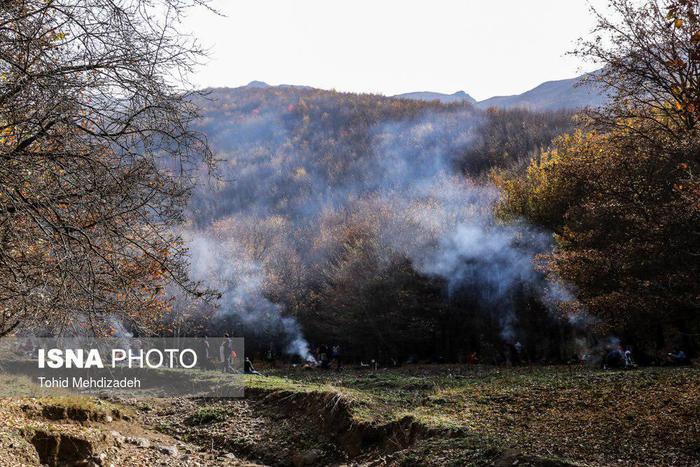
(484, 47)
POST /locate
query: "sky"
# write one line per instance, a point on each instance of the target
(484, 47)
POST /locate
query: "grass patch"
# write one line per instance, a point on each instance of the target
(206, 415)
(646, 416)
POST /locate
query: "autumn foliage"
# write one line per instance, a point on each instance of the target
(622, 195)
(86, 207)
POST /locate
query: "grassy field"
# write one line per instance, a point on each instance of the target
(416, 415)
(647, 416)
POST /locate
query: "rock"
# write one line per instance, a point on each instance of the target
(169, 450)
(99, 459)
(118, 437)
(140, 442)
(108, 419)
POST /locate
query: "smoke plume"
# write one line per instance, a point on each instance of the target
(260, 229)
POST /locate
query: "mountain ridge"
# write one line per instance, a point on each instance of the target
(570, 93)
(564, 94)
(459, 96)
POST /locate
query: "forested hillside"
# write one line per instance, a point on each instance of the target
(419, 280)
(295, 137)
(367, 221)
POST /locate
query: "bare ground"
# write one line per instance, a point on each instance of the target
(418, 415)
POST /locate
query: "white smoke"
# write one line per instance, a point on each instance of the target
(224, 265)
(441, 221)
(448, 227)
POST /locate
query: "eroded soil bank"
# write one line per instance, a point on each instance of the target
(267, 427)
(307, 428)
(435, 415)
(78, 431)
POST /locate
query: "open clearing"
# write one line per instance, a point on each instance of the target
(417, 415)
(648, 416)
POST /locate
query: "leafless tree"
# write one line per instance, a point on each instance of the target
(96, 153)
(650, 52)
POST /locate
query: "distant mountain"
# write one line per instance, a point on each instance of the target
(264, 85)
(257, 85)
(551, 95)
(459, 96)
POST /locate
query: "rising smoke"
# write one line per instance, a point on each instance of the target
(277, 192)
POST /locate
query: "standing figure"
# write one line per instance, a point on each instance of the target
(335, 356)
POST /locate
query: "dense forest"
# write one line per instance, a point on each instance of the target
(399, 229)
(368, 221)
(410, 230)
(621, 194)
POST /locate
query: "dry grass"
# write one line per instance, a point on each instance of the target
(647, 416)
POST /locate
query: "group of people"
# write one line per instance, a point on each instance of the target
(619, 357)
(330, 357)
(228, 359)
(327, 356)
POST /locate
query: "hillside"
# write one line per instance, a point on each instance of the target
(551, 95)
(273, 134)
(324, 200)
(566, 94)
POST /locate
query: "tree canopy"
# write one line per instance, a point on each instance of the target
(94, 158)
(623, 194)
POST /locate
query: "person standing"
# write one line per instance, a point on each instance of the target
(225, 353)
(325, 361)
(205, 356)
(335, 356)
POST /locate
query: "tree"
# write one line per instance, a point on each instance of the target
(95, 157)
(622, 197)
(651, 58)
